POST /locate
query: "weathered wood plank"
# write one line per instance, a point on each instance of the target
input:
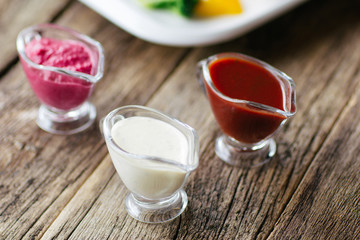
(226, 202)
(326, 203)
(108, 217)
(68, 183)
(40, 172)
(330, 60)
(18, 14)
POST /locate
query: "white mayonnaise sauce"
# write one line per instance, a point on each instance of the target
(149, 137)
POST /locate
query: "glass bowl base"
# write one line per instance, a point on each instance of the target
(66, 122)
(150, 211)
(241, 155)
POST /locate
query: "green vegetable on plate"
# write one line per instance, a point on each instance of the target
(182, 7)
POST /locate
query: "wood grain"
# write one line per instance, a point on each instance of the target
(57, 187)
(231, 203)
(321, 207)
(42, 171)
(18, 14)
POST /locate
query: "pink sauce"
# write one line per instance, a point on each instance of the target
(57, 90)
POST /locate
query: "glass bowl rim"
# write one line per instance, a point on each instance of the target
(20, 44)
(193, 144)
(279, 74)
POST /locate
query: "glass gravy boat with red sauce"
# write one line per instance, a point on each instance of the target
(250, 100)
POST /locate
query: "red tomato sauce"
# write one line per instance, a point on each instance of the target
(244, 80)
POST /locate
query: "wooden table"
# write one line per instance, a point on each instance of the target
(65, 187)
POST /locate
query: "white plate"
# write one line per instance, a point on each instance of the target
(163, 27)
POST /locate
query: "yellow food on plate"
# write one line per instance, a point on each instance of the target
(209, 8)
(197, 8)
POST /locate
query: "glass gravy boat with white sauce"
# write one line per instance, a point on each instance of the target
(153, 173)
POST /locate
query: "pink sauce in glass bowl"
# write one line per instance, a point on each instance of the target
(61, 70)
(62, 67)
(54, 89)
